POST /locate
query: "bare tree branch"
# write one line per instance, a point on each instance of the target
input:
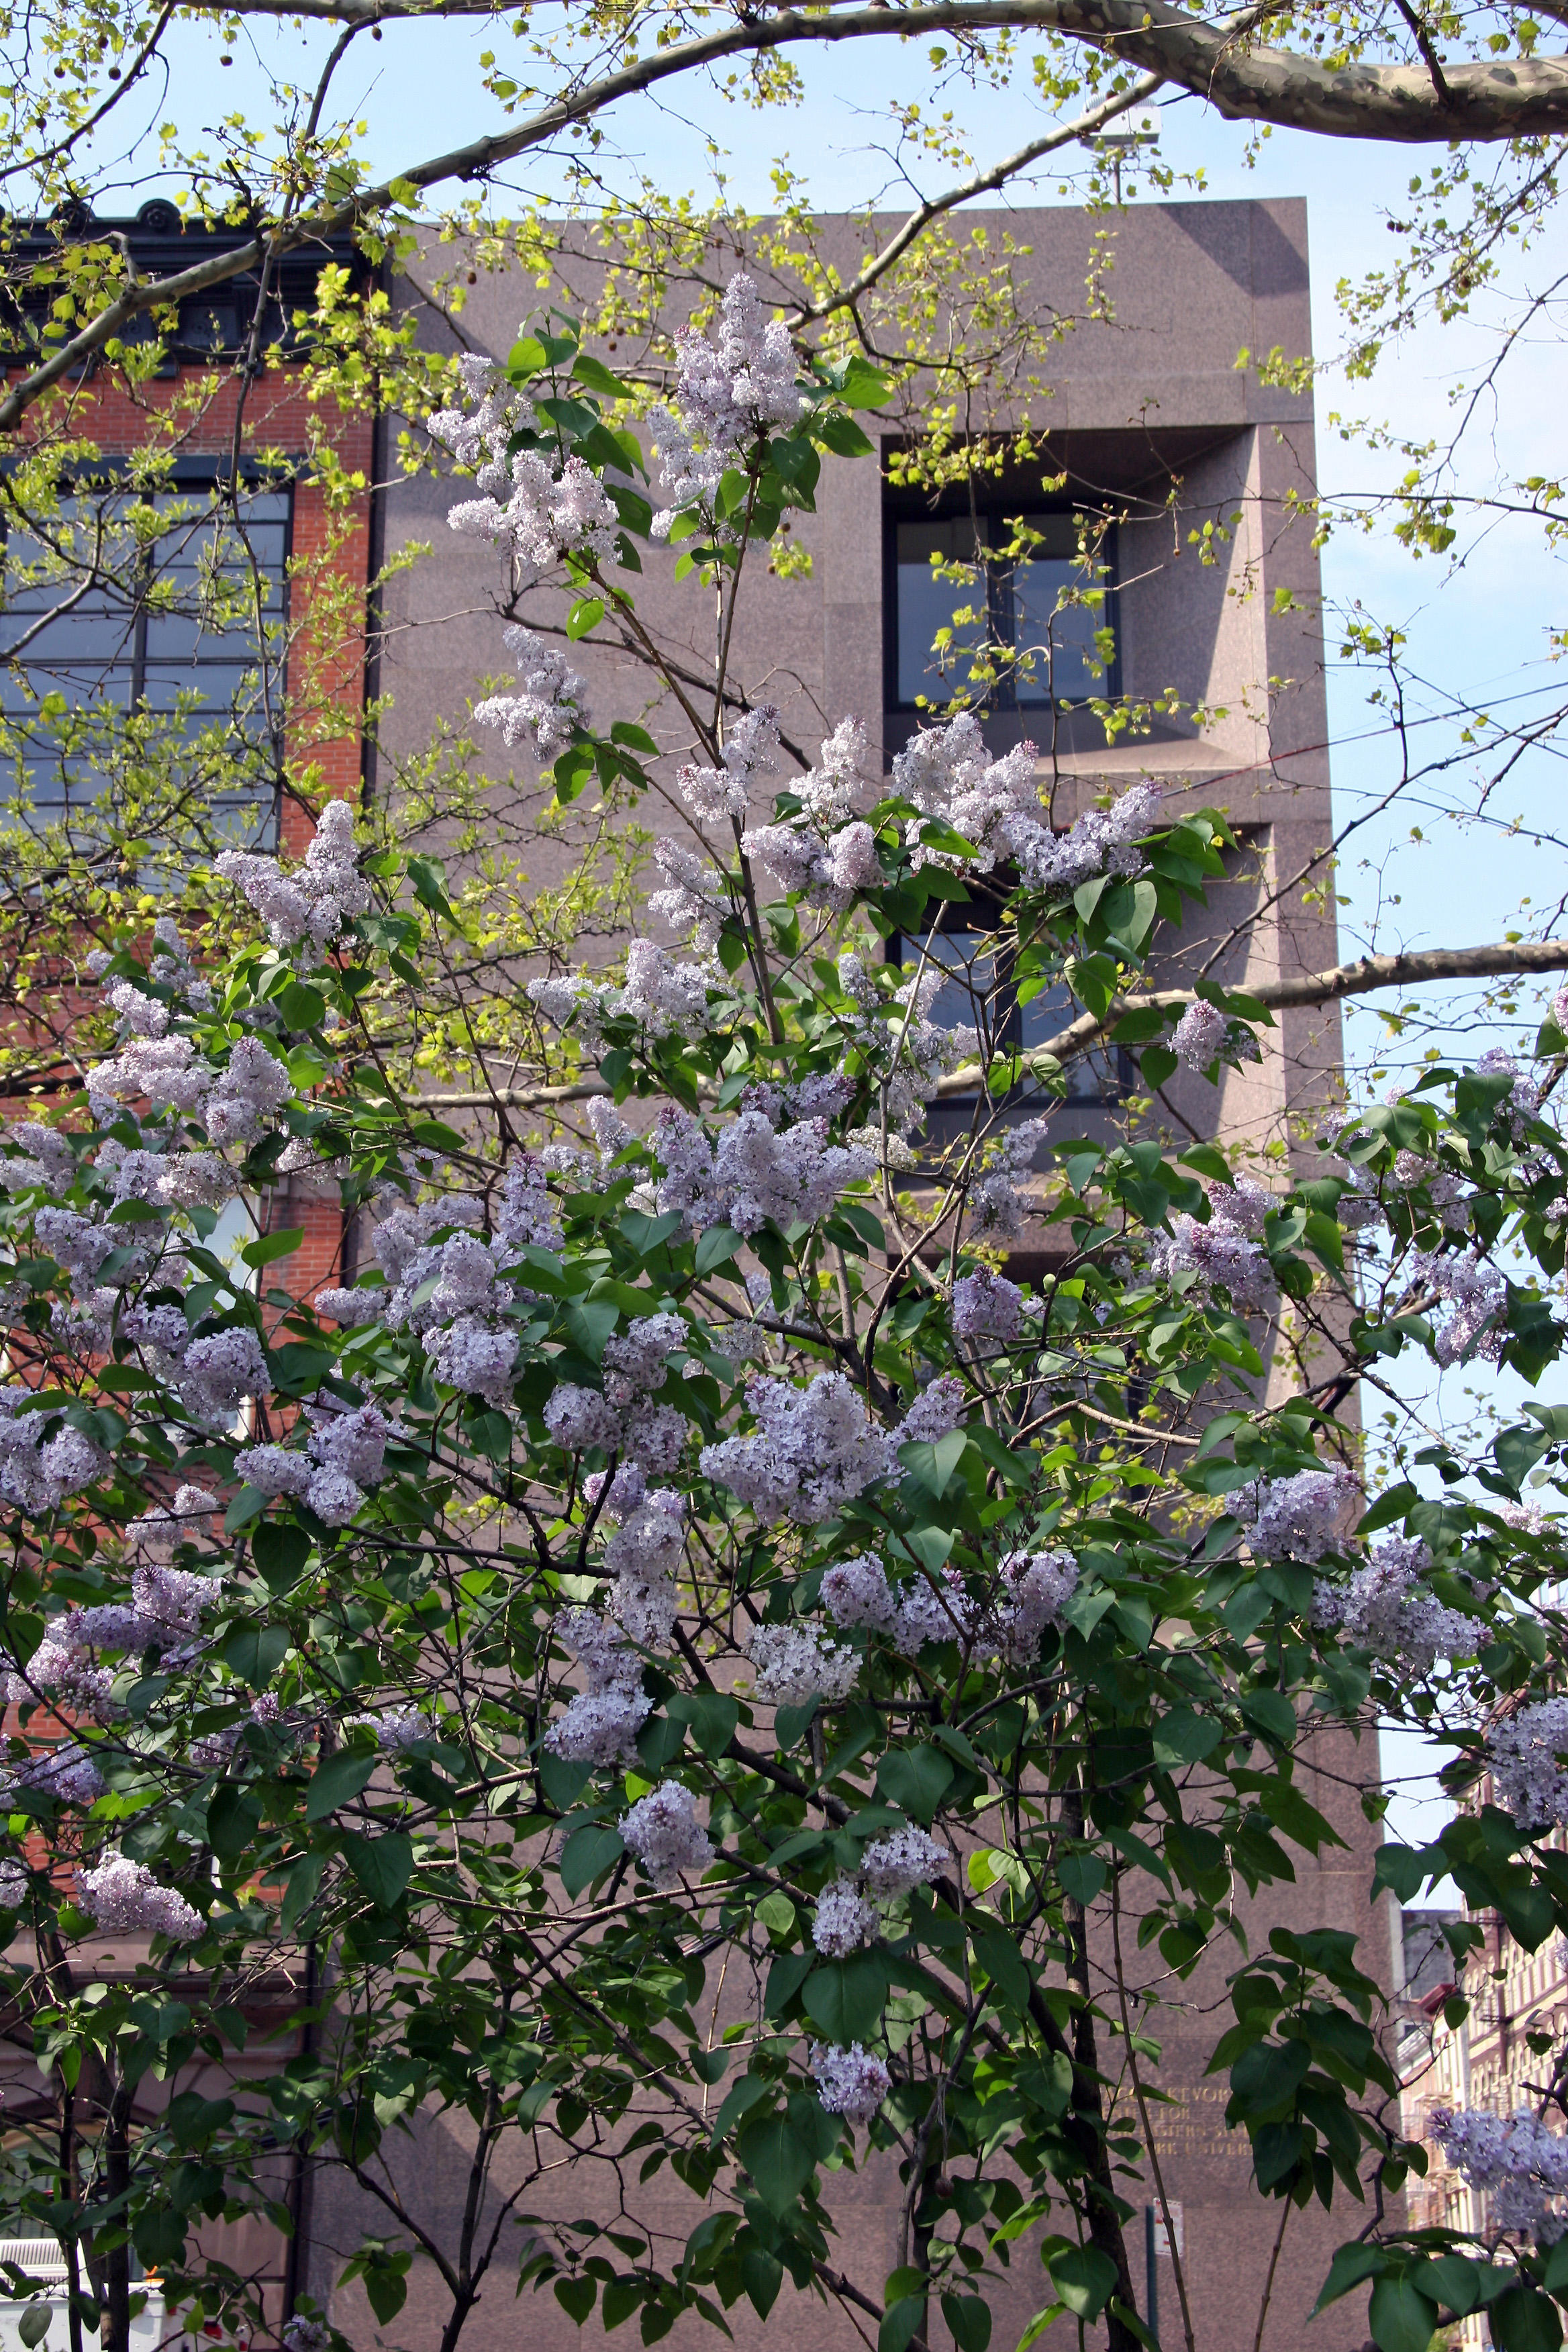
(1359, 979)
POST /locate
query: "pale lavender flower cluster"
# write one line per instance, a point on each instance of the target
(1522, 1755)
(998, 1205)
(907, 1052)
(246, 1095)
(157, 1533)
(1520, 2162)
(215, 1374)
(346, 1455)
(165, 1072)
(825, 848)
(307, 2336)
(727, 395)
(34, 1155)
(163, 1614)
(1522, 1101)
(1299, 1518)
(546, 516)
(844, 1920)
(663, 998)
(755, 1171)
(717, 794)
(663, 1831)
(601, 1723)
(938, 1409)
(1384, 1609)
(395, 1729)
(856, 1592)
(796, 1664)
(67, 1773)
(813, 1451)
(36, 1474)
(549, 702)
(16, 1882)
(849, 2082)
(896, 1864)
(125, 1899)
(313, 901)
(987, 1306)
(1224, 1252)
(645, 1556)
(947, 772)
(1033, 1590)
(1475, 1293)
(691, 901)
(1205, 1035)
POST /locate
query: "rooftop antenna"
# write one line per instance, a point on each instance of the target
(1139, 127)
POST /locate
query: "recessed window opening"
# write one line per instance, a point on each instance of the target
(1002, 610)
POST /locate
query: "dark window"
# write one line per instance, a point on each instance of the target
(170, 603)
(981, 993)
(1023, 641)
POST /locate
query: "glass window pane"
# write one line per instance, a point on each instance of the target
(1091, 1077)
(926, 604)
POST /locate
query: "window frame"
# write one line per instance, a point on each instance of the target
(1023, 1101)
(903, 507)
(191, 475)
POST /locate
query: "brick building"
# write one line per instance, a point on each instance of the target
(102, 611)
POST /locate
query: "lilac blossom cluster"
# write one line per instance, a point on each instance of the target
(344, 1455)
(601, 1722)
(849, 2082)
(65, 1772)
(856, 1592)
(35, 1156)
(844, 1920)
(1299, 1518)
(125, 1899)
(663, 1831)
(948, 773)
(158, 1532)
(814, 1450)
(313, 901)
(1522, 1104)
(218, 1373)
(896, 1864)
(163, 1615)
(1523, 1756)
(824, 848)
(395, 1729)
(998, 1203)
(987, 1306)
(719, 795)
(797, 1663)
(1384, 1609)
(662, 997)
(1518, 2160)
(754, 1170)
(728, 394)
(452, 1292)
(1224, 1252)
(37, 1474)
(693, 898)
(545, 516)
(645, 1556)
(621, 1418)
(550, 703)
(1475, 1294)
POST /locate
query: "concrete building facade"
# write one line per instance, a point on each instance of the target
(1204, 474)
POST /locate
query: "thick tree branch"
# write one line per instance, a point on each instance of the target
(1307, 988)
(1498, 99)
